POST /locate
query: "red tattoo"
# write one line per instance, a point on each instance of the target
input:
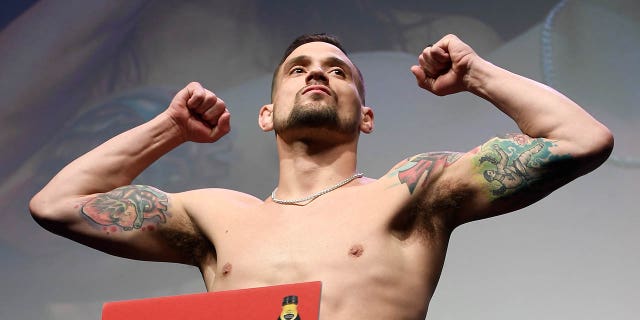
(421, 165)
(127, 207)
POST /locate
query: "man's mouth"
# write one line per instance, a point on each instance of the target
(318, 89)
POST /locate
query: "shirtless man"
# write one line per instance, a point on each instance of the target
(378, 243)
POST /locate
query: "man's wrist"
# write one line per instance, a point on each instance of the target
(169, 129)
(481, 77)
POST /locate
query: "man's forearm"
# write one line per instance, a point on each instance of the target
(450, 66)
(194, 114)
(538, 110)
(118, 161)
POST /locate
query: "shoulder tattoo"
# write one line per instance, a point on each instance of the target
(413, 169)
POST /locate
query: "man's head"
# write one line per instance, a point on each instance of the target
(316, 37)
(317, 87)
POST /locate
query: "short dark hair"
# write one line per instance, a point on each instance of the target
(317, 37)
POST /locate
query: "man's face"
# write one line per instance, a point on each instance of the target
(316, 88)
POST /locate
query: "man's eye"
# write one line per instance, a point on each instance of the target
(337, 72)
(296, 70)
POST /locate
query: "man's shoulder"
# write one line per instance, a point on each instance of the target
(217, 199)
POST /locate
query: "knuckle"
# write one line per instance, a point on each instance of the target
(212, 113)
(210, 93)
(198, 96)
(197, 93)
(210, 100)
(206, 116)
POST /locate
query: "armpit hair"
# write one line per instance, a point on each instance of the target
(432, 214)
(190, 242)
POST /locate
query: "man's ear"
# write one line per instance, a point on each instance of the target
(265, 117)
(366, 124)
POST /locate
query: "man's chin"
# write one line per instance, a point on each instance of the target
(316, 104)
(315, 118)
(318, 134)
(313, 115)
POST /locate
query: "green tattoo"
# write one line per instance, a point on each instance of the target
(514, 162)
(413, 169)
(127, 208)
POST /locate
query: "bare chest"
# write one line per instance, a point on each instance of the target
(351, 249)
(283, 247)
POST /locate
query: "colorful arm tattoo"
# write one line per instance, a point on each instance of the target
(413, 169)
(515, 162)
(127, 207)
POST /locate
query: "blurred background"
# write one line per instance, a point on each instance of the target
(74, 73)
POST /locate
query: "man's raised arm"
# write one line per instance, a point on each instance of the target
(91, 201)
(559, 140)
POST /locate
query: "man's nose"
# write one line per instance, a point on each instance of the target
(317, 76)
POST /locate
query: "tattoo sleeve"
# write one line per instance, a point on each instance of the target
(127, 208)
(411, 171)
(515, 162)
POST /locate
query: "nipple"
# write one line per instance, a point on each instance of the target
(226, 269)
(356, 250)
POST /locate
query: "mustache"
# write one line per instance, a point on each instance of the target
(314, 86)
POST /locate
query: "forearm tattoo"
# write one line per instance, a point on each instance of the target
(515, 162)
(414, 168)
(127, 208)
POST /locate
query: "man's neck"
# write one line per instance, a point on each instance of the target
(308, 167)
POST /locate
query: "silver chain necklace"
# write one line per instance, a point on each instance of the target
(317, 194)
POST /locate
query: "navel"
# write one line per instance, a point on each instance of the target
(226, 269)
(356, 250)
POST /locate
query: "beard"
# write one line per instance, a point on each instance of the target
(316, 114)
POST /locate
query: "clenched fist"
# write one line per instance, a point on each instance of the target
(199, 114)
(444, 67)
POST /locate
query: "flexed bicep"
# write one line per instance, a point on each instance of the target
(515, 162)
(510, 172)
(128, 208)
(133, 221)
